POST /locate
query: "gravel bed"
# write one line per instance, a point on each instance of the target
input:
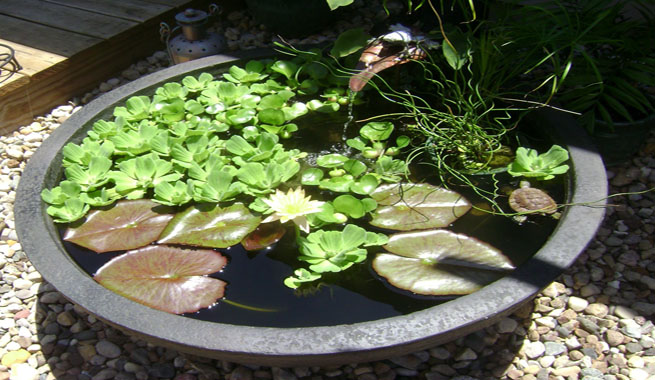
(593, 323)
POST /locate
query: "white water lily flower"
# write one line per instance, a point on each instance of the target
(293, 205)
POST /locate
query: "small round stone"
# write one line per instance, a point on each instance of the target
(577, 304)
(108, 349)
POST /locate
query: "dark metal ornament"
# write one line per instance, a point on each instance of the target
(194, 41)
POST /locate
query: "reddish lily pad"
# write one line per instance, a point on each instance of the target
(166, 278)
(413, 206)
(440, 262)
(263, 236)
(129, 224)
(210, 226)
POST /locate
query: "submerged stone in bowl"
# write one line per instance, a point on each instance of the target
(323, 345)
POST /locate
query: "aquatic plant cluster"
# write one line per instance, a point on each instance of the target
(201, 165)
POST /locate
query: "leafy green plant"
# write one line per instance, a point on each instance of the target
(529, 163)
(334, 251)
(211, 149)
(608, 54)
(372, 140)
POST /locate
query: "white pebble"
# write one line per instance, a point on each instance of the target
(577, 304)
(23, 371)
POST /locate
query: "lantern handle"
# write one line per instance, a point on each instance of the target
(165, 33)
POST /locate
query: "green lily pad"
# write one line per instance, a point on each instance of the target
(166, 278)
(440, 262)
(210, 226)
(129, 224)
(410, 206)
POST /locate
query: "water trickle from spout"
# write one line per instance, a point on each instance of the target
(351, 116)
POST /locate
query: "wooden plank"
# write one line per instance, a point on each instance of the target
(79, 73)
(32, 60)
(10, 81)
(66, 18)
(44, 38)
(134, 10)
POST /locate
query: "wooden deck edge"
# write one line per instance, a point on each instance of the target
(80, 73)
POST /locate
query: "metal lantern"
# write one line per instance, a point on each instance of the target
(194, 41)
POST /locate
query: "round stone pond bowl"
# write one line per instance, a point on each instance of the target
(325, 345)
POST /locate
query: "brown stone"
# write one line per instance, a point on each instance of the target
(600, 365)
(614, 338)
(581, 333)
(576, 355)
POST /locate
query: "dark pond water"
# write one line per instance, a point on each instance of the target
(357, 294)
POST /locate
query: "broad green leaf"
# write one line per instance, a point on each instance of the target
(272, 101)
(376, 130)
(412, 206)
(311, 176)
(271, 116)
(349, 205)
(350, 41)
(127, 225)
(295, 110)
(357, 143)
(286, 68)
(210, 226)
(336, 184)
(365, 185)
(331, 160)
(325, 107)
(455, 49)
(166, 278)
(355, 167)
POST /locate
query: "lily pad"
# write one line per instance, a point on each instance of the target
(436, 280)
(210, 226)
(166, 278)
(129, 224)
(440, 262)
(410, 206)
(263, 236)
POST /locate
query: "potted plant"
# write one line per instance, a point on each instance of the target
(606, 48)
(138, 170)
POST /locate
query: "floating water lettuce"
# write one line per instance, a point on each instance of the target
(353, 207)
(166, 278)
(127, 225)
(412, 206)
(334, 251)
(545, 166)
(439, 262)
(210, 226)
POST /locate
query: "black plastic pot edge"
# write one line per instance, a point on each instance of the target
(329, 345)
